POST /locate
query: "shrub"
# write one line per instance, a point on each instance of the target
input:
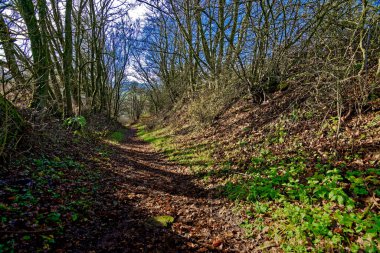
(76, 123)
(212, 102)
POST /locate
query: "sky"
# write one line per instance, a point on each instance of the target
(138, 12)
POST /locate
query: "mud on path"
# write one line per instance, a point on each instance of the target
(144, 184)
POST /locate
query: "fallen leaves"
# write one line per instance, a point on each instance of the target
(217, 242)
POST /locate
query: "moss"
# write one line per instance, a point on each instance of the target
(117, 136)
(162, 221)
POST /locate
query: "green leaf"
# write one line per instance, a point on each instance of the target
(332, 195)
(26, 237)
(3, 207)
(354, 248)
(360, 191)
(74, 216)
(54, 217)
(340, 200)
(48, 238)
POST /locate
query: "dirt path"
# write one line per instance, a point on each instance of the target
(149, 185)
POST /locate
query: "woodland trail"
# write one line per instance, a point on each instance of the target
(149, 185)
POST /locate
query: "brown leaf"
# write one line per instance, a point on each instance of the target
(217, 242)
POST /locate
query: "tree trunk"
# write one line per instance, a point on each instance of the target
(67, 57)
(39, 50)
(9, 51)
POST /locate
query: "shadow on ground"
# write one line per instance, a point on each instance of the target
(137, 184)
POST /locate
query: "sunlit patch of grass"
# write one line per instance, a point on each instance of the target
(195, 156)
(159, 138)
(117, 136)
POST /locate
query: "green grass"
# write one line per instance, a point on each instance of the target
(159, 138)
(117, 136)
(294, 203)
(195, 156)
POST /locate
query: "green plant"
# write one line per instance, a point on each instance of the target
(358, 185)
(248, 227)
(331, 126)
(279, 134)
(54, 217)
(77, 124)
(260, 207)
(307, 209)
(375, 121)
(295, 114)
(117, 136)
(308, 115)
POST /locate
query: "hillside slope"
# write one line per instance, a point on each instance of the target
(302, 178)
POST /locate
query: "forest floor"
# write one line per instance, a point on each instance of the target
(114, 196)
(260, 179)
(155, 187)
(300, 179)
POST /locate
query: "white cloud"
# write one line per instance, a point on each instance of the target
(132, 74)
(139, 11)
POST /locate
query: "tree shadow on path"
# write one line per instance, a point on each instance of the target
(139, 184)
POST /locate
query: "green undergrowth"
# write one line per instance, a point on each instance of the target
(194, 155)
(296, 203)
(309, 206)
(76, 124)
(49, 195)
(116, 136)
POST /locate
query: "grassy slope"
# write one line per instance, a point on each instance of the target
(297, 185)
(193, 154)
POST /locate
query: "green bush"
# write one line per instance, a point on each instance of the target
(76, 124)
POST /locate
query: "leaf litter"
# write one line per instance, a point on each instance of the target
(92, 196)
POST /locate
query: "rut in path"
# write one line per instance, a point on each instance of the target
(150, 185)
